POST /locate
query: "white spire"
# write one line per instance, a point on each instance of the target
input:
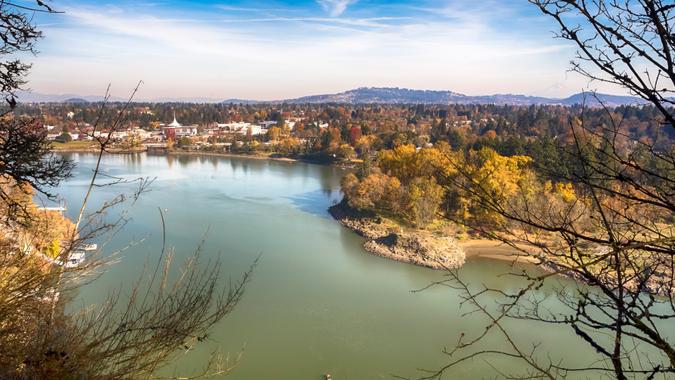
(175, 122)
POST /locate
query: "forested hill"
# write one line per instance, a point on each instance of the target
(389, 95)
(373, 95)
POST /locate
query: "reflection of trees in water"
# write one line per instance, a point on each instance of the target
(169, 161)
(213, 161)
(184, 161)
(327, 176)
(243, 164)
(133, 160)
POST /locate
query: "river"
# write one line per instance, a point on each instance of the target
(318, 303)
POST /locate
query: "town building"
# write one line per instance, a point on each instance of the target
(175, 130)
(242, 128)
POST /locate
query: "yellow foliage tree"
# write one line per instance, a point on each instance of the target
(500, 175)
(406, 162)
(377, 192)
(424, 198)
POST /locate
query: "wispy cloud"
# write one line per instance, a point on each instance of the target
(335, 7)
(198, 52)
(368, 22)
(232, 8)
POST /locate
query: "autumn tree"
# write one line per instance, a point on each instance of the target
(274, 133)
(424, 197)
(377, 193)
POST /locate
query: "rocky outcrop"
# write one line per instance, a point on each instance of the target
(384, 239)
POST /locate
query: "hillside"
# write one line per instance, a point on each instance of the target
(392, 95)
(372, 95)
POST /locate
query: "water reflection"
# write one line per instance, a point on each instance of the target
(133, 160)
(316, 202)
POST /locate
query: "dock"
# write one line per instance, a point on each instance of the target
(55, 209)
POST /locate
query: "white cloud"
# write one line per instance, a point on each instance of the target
(335, 7)
(302, 55)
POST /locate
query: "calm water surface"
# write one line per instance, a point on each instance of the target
(318, 303)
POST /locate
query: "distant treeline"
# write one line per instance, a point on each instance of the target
(505, 128)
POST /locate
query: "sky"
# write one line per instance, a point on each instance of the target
(269, 50)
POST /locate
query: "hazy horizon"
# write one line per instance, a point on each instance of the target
(124, 96)
(287, 49)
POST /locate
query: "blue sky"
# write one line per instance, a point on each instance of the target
(282, 49)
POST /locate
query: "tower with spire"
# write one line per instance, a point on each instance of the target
(175, 122)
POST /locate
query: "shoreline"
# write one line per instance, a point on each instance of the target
(234, 155)
(416, 247)
(216, 154)
(420, 247)
(494, 250)
(271, 157)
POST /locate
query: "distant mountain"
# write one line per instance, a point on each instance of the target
(392, 95)
(594, 100)
(373, 95)
(76, 101)
(384, 95)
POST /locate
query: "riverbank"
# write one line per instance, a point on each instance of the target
(232, 155)
(437, 250)
(431, 249)
(88, 147)
(386, 239)
(265, 156)
(495, 250)
(91, 147)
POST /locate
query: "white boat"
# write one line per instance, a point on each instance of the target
(75, 259)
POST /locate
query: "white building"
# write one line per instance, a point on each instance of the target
(242, 128)
(176, 130)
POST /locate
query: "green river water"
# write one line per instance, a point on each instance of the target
(318, 303)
